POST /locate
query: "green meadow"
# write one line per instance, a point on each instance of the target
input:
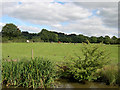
(57, 52)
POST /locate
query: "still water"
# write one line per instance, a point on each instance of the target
(63, 83)
(67, 84)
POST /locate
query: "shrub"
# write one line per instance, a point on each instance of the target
(85, 68)
(36, 73)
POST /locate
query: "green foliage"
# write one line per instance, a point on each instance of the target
(36, 39)
(18, 39)
(5, 39)
(36, 73)
(107, 40)
(118, 41)
(100, 39)
(10, 30)
(93, 39)
(48, 36)
(81, 38)
(113, 40)
(85, 68)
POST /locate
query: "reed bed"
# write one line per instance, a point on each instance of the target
(109, 75)
(34, 73)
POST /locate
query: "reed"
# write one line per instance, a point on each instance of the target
(34, 73)
(109, 75)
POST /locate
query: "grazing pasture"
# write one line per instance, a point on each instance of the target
(53, 51)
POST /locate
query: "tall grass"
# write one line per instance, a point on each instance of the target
(109, 75)
(36, 73)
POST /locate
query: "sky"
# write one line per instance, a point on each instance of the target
(67, 16)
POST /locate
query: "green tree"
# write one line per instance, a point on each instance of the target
(113, 40)
(10, 30)
(81, 38)
(36, 39)
(48, 36)
(118, 41)
(100, 39)
(93, 39)
(107, 40)
(44, 35)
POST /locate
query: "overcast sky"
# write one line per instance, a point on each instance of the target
(88, 18)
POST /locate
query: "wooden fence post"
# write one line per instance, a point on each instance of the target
(32, 53)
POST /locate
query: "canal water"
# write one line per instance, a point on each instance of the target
(63, 83)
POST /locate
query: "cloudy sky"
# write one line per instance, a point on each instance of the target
(88, 18)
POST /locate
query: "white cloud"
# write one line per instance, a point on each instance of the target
(98, 12)
(110, 16)
(45, 13)
(80, 17)
(92, 27)
(1, 25)
(108, 11)
(31, 29)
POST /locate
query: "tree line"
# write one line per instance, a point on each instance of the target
(11, 33)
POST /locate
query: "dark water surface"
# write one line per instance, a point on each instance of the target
(64, 84)
(67, 84)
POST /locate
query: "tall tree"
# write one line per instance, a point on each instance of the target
(100, 39)
(113, 40)
(93, 39)
(48, 36)
(81, 38)
(107, 40)
(10, 30)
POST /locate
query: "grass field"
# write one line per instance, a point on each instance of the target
(53, 51)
